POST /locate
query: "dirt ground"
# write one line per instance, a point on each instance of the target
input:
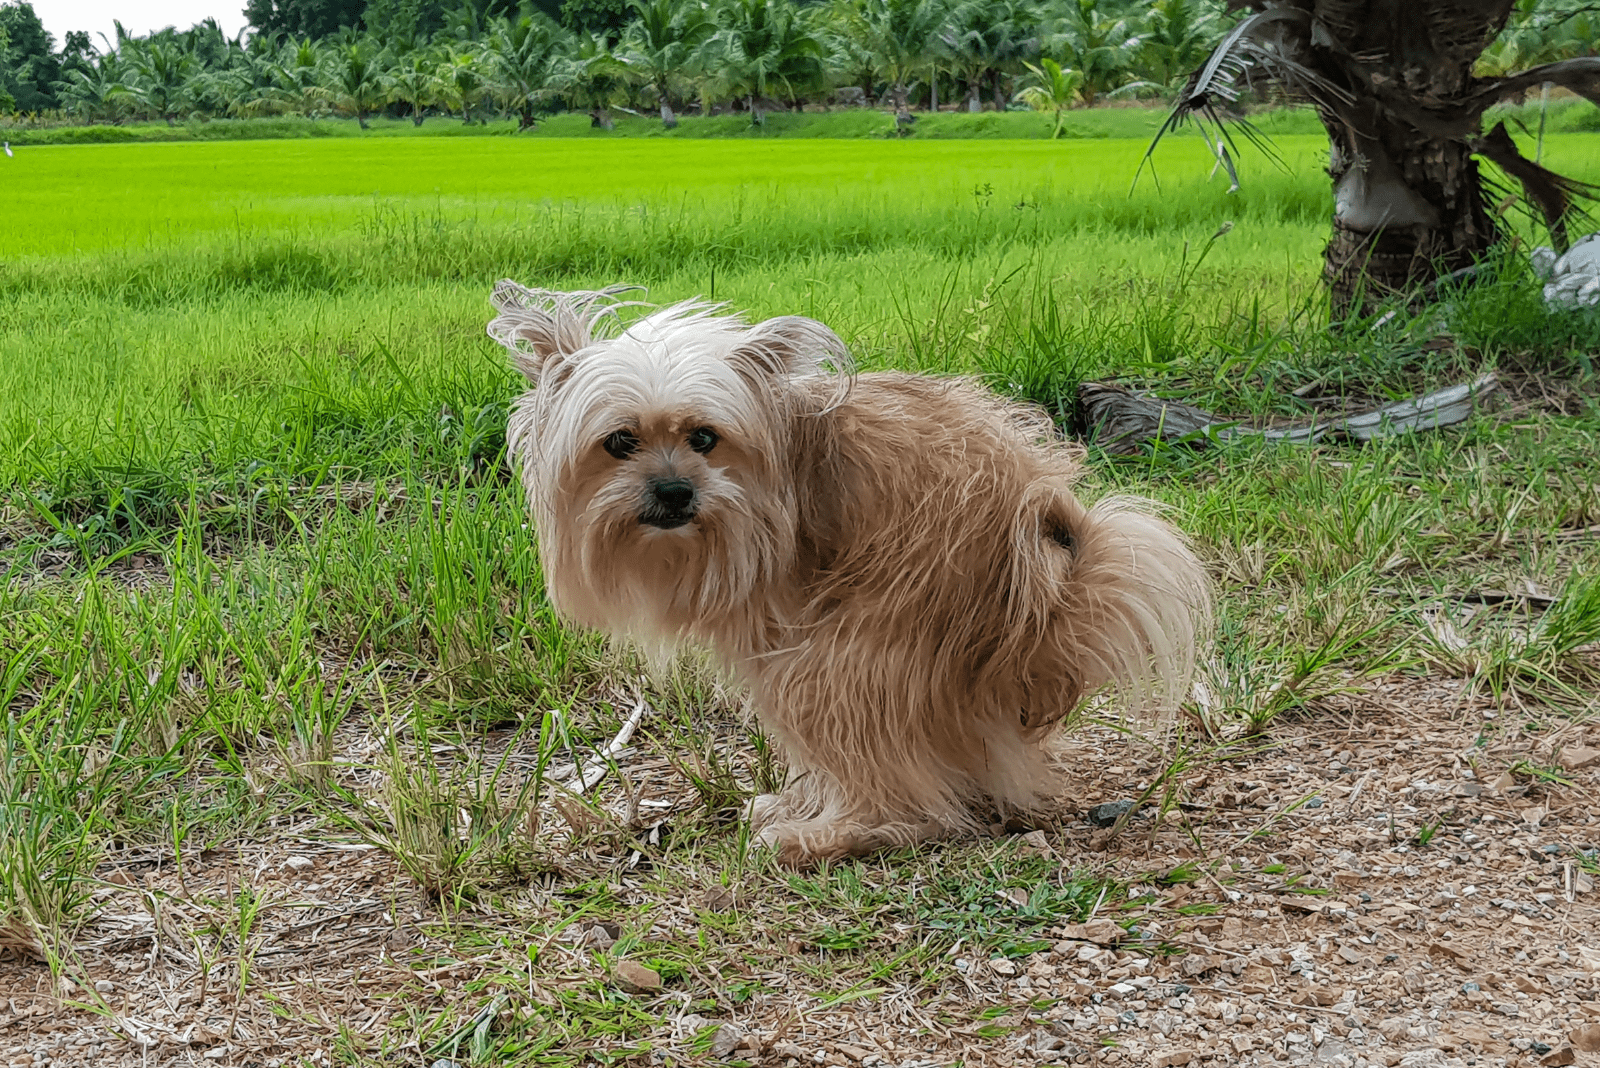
(1406, 880)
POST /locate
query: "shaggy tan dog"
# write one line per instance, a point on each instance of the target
(896, 566)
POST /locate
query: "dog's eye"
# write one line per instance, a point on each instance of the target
(621, 443)
(703, 439)
(1063, 537)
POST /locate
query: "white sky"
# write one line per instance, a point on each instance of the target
(138, 16)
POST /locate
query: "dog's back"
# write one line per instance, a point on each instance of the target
(960, 599)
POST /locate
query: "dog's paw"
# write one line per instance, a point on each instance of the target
(760, 811)
(806, 844)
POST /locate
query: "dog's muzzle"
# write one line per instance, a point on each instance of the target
(668, 503)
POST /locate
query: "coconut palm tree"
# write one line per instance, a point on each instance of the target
(461, 84)
(592, 78)
(297, 77)
(1176, 39)
(982, 38)
(247, 86)
(519, 55)
(353, 79)
(414, 80)
(99, 92)
(660, 44)
(1394, 85)
(1051, 87)
(765, 47)
(159, 76)
(802, 54)
(900, 34)
(1103, 47)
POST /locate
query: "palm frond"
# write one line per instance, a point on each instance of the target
(1260, 45)
(1556, 196)
(1581, 76)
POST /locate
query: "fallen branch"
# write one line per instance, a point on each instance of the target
(594, 769)
(1121, 419)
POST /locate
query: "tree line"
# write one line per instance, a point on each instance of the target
(482, 58)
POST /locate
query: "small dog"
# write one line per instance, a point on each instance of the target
(894, 565)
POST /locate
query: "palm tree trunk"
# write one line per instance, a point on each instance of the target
(361, 118)
(975, 95)
(933, 90)
(902, 108)
(668, 119)
(999, 101)
(1405, 210)
(757, 116)
(416, 113)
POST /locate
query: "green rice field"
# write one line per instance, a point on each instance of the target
(266, 582)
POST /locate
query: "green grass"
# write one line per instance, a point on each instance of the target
(263, 563)
(1135, 122)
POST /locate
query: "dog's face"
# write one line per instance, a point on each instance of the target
(656, 459)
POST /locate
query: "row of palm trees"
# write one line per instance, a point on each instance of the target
(707, 55)
(704, 55)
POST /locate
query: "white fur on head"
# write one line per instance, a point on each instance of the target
(538, 326)
(680, 367)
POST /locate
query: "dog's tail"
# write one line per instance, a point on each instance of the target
(1157, 614)
(1119, 604)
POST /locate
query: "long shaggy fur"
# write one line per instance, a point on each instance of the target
(895, 566)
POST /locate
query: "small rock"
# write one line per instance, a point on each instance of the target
(1122, 991)
(1107, 814)
(1001, 966)
(1102, 931)
(299, 863)
(1427, 1058)
(1037, 841)
(635, 978)
(1577, 757)
(726, 1040)
(1585, 1039)
(1564, 1055)
(1332, 1052)
(104, 986)
(601, 936)
(1172, 1058)
(719, 899)
(443, 1062)
(788, 1049)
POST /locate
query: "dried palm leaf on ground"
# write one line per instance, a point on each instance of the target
(1120, 419)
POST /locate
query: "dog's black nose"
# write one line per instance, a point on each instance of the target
(673, 493)
(669, 503)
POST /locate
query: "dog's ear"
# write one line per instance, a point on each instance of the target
(790, 346)
(540, 327)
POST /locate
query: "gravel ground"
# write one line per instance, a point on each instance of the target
(1400, 882)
